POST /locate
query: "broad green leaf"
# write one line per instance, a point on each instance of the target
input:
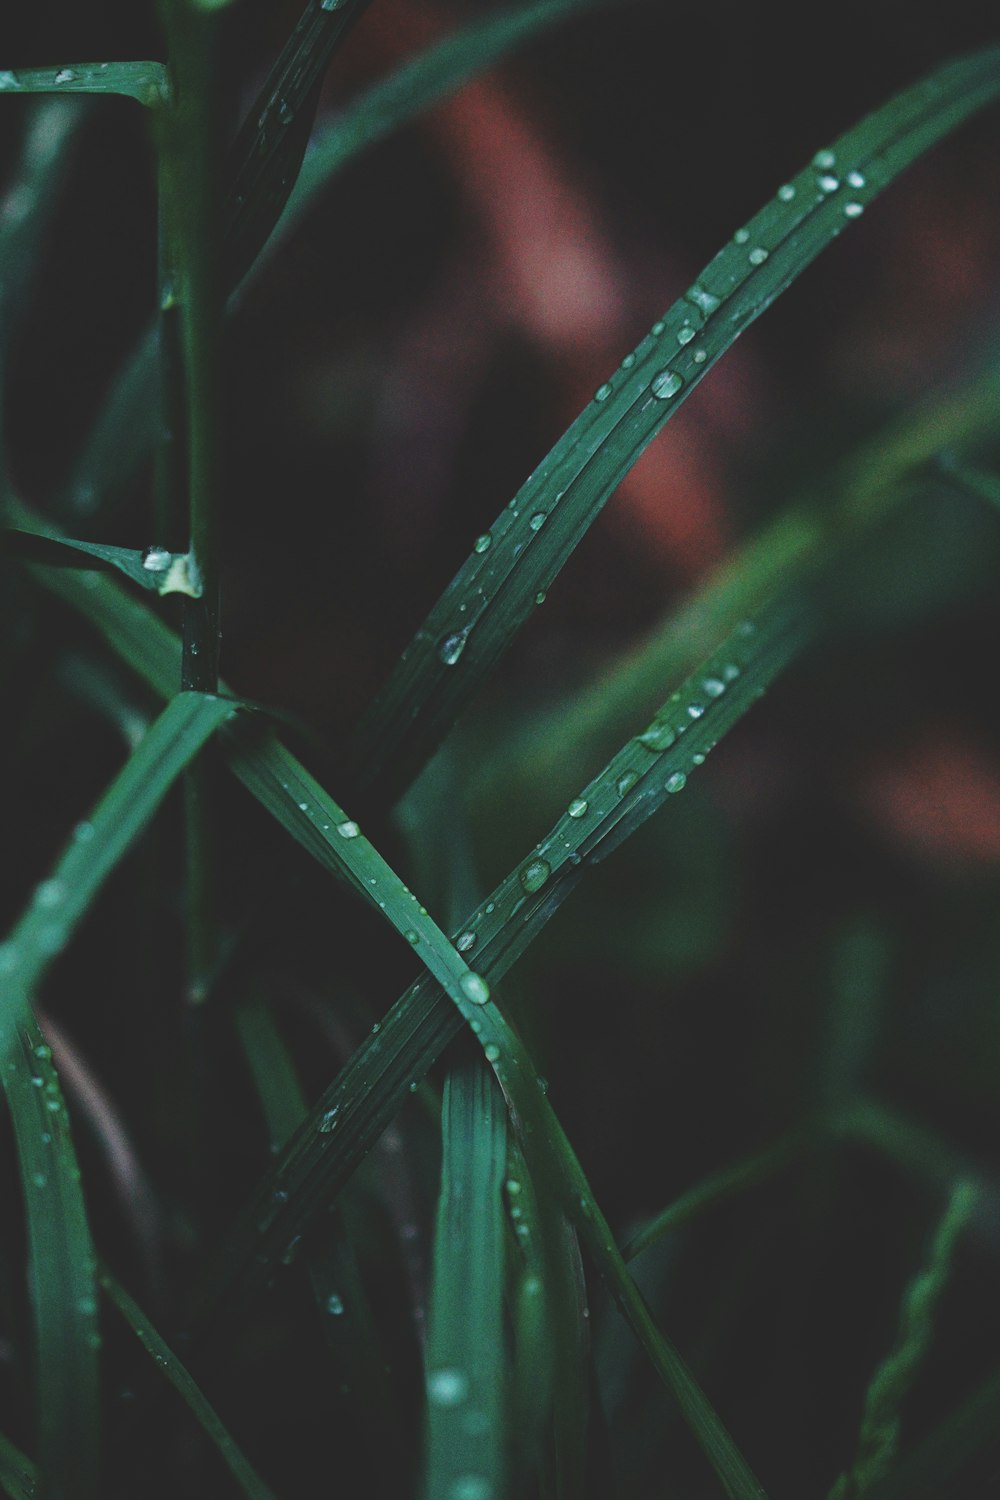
(18, 1476)
(153, 568)
(173, 1370)
(494, 593)
(145, 81)
(892, 1381)
(466, 1360)
(60, 1256)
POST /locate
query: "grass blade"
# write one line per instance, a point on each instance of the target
(98, 843)
(153, 568)
(60, 1258)
(929, 1471)
(892, 1380)
(18, 1475)
(145, 81)
(166, 1360)
(465, 1354)
(268, 151)
(493, 594)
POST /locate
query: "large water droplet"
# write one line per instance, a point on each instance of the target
(757, 256)
(677, 782)
(328, 1121)
(577, 808)
(65, 75)
(855, 179)
(713, 686)
(686, 334)
(334, 1305)
(534, 874)
(83, 833)
(452, 647)
(538, 520)
(482, 543)
(491, 1052)
(827, 183)
(474, 988)
(626, 782)
(156, 559)
(603, 392)
(447, 1386)
(666, 384)
(706, 301)
(348, 829)
(332, 4)
(853, 210)
(786, 192)
(695, 710)
(465, 941)
(659, 736)
(741, 236)
(50, 893)
(824, 160)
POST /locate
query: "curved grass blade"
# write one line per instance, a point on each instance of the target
(465, 1354)
(969, 478)
(60, 1257)
(18, 1476)
(147, 82)
(537, 1345)
(893, 1379)
(166, 1360)
(493, 594)
(931, 1469)
(416, 86)
(154, 568)
(268, 150)
(98, 843)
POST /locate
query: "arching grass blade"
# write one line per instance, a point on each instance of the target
(173, 1370)
(153, 568)
(493, 594)
(146, 82)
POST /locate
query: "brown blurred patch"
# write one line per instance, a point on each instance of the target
(939, 798)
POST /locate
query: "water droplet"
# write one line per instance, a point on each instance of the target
(285, 112)
(513, 1186)
(452, 647)
(87, 1306)
(666, 384)
(827, 183)
(471, 1487)
(730, 672)
(474, 988)
(37, 1081)
(706, 301)
(626, 782)
(334, 1305)
(824, 160)
(540, 597)
(65, 75)
(49, 894)
(447, 1386)
(741, 236)
(686, 334)
(786, 192)
(855, 179)
(83, 833)
(156, 559)
(757, 256)
(677, 782)
(695, 710)
(577, 808)
(491, 1052)
(291, 1250)
(43, 1050)
(659, 736)
(534, 874)
(538, 520)
(854, 210)
(699, 356)
(331, 4)
(698, 758)
(628, 361)
(328, 1121)
(412, 936)
(348, 829)
(53, 1105)
(657, 328)
(465, 941)
(714, 686)
(603, 392)
(482, 543)
(39, 1179)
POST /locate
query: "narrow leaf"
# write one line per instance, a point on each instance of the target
(166, 1360)
(18, 1475)
(465, 1352)
(145, 81)
(493, 594)
(153, 568)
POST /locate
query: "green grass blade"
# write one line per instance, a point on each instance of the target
(416, 86)
(99, 841)
(719, 1186)
(166, 1360)
(123, 435)
(268, 150)
(971, 479)
(154, 568)
(538, 1348)
(465, 1353)
(930, 1470)
(145, 81)
(60, 1257)
(18, 1476)
(493, 594)
(893, 1379)
(272, 1069)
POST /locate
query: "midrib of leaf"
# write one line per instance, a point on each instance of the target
(494, 593)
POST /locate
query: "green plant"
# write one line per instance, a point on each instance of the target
(334, 1243)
